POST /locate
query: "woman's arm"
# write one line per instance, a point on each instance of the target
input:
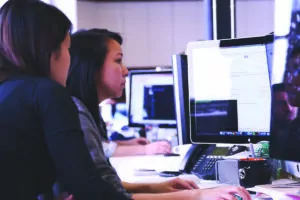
(135, 141)
(93, 140)
(137, 187)
(132, 150)
(172, 185)
(160, 147)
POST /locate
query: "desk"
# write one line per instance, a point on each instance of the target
(126, 168)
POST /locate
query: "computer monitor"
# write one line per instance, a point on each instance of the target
(181, 95)
(285, 123)
(151, 99)
(229, 90)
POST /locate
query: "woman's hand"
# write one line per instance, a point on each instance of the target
(160, 147)
(172, 186)
(223, 193)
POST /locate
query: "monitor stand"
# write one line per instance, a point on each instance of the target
(142, 131)
(251, 148)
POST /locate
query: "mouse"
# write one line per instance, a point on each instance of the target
(171, 154)
(236, 149)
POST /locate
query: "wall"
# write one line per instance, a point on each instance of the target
(153, 31)
(254, 17)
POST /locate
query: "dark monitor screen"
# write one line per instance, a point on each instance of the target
(285, 124)
(229, 90)
(151, 98)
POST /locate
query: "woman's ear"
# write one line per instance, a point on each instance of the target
(54, 59)
(55, 55)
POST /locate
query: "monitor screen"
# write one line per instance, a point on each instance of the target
(151, 98)
(285, 123)
(229, 89)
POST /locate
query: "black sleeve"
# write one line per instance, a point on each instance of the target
(75, 168)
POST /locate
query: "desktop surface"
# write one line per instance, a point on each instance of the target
(140, 169)
(126, 168)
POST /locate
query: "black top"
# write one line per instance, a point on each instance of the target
(41, 140)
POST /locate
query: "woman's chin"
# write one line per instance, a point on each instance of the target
(118, 95)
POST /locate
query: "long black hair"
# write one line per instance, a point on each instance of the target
(30, 31)
(88, 51)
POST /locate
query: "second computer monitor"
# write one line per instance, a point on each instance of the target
(229, 89)
(181, 95)
(151, 98)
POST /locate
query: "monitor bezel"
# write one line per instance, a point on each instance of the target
(213, 139)
(181, 97)
(139, 72)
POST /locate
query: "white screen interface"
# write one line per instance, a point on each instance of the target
(152, 99)
(235, 76)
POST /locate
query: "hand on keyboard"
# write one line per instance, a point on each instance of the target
(160, 147)
(225, 193)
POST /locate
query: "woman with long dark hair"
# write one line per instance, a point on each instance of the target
(83, 87)
(40, 135)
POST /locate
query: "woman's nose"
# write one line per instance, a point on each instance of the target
(125, 70)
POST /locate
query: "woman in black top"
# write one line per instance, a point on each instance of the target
(40, 136)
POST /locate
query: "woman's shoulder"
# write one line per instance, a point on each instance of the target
(38, 87)
(39, 83)
(47, 83)
(45, 92)
(47, 88)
